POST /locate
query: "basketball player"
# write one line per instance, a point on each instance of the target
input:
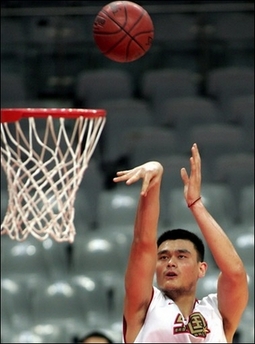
(170, 313)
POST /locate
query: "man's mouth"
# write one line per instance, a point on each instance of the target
(171, 274)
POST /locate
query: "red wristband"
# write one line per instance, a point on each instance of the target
(190, 205)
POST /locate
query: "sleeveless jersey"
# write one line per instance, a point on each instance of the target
(164, 322)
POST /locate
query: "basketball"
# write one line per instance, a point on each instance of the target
(123, 31)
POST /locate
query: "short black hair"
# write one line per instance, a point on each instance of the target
(93, 334)
(178, 233)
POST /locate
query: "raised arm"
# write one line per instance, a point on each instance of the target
(142, 260)
(232, 284)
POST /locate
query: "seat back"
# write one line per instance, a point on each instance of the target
(227, 83)
(236, 170)
(122, 115)
(148, 143)
(13, 90)
(171, 179)
(179, 49)
(216, 139)
(233, 30)
(94, 86)
(184, 112)
(15, 303)
(87, 197)
(117, 206)
(217, 198)
(23, 259)
(207, 284)
(56, 302)
(101, 253)
(246, 205)
(244, 244)
(159, 84)
(241, 111)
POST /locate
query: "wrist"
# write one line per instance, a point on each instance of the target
(194, 202)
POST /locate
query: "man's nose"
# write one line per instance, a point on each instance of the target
(171, 262)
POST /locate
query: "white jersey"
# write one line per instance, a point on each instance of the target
(164, 322)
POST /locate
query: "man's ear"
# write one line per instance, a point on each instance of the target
(202, 269)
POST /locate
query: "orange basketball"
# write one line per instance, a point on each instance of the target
(123, 31)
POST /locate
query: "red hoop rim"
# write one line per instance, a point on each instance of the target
(15, 114)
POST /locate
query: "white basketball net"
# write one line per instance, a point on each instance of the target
(44, 168)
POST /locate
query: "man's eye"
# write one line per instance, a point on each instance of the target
(181, 256)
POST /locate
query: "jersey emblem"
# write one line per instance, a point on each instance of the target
(196, 325)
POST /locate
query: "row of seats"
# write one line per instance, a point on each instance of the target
(107, 247)
(230, 199)
(117, 206)
(166, 95)
(234, 28)
(39, 289)
(186, 120)
(56, 311)
(93, 86)
(162, 86)
(170, 107)
(51, 51)
(215, 27)
(103, 250)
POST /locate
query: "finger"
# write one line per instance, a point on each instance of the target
(195, 161)
(184, 175)
(120, 173)
(192, 165)
(145, 186)
(118, 179)
(121, 178)
(133, 177)
(195, 153)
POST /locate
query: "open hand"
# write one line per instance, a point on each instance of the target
(192, 183)
(151, 173)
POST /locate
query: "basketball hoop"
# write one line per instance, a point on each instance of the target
(44, 153)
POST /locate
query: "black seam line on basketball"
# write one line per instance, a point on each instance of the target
(142, 14)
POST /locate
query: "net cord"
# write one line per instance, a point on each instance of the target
(44, 205)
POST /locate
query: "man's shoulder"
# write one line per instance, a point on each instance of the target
(209, 301)
(210, 298)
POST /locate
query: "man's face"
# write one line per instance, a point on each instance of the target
(177, 267)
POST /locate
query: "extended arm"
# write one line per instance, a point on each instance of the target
(232, 283)
(143, 253)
